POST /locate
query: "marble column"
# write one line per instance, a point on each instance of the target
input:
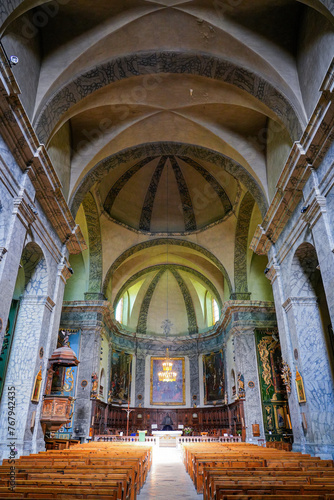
(275, 277)
(246, 363)
(317, 217)
(308, 338)
(194, 378)
(89, 363)
(140, 379)
(20, 220)
(34, 316)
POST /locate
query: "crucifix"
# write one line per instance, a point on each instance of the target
(128, 411)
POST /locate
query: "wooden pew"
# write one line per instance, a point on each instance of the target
(94, 471)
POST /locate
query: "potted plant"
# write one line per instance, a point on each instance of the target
(187, 431)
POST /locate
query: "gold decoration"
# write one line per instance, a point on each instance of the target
(266, 345)
(286, 376)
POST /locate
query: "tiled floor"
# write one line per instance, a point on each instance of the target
(168, 479)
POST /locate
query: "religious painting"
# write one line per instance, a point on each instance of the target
(300, 388)
(120, 377)
(167, 393)
(37, 387)
(213, 376)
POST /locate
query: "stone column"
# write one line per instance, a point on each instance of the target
(34, 316)
(89, 364)
(246, 362)
(194, 378)
(49, 339)
(10, 253)
(312, 363)
(275, 277)
(317, 218)
(140, 378)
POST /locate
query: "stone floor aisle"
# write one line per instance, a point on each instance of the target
(168, 479)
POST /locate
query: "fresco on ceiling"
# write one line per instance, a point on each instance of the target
(213, 377)
(167, 393)
(120, 377)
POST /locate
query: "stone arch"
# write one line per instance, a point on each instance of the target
(211, 287)
(168, 148)
(304, 273)
(240, 253)
(164, 241)
(95, 243)
(35, 270)
(189, 305)
(169, 62)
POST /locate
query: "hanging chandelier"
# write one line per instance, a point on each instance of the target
(167, 374)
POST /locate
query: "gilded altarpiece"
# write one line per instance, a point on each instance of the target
(275, 408)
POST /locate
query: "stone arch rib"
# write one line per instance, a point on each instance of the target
(192, 322)
(120, 183)
(143, 313)
(164, 241)
(164, 62)
(146, 213)
(212, 181)
(240, 254)
(95, 244)
(187, 205)
(155, 149)
(211, 287)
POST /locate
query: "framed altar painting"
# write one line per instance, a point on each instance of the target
(213, 377)
(300, 388)
(37, 387)
(167, 393)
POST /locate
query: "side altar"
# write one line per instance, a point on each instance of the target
(167, 438)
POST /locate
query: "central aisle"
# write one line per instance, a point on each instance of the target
(168, 479)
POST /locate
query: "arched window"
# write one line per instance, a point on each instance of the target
(215, 311)
(119, 310)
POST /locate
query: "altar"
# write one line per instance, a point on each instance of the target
(167, 438)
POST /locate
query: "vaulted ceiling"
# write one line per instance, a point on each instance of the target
(168, 118)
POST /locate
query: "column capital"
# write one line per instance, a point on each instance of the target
(316, 207)
(299, 301)
(273, 273)
(39, 300)
(24, 209)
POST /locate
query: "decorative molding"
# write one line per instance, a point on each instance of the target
(299, 301)
(24, 210)
(273, 273)
(305, 155)
(316, 207)
(39, 300)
